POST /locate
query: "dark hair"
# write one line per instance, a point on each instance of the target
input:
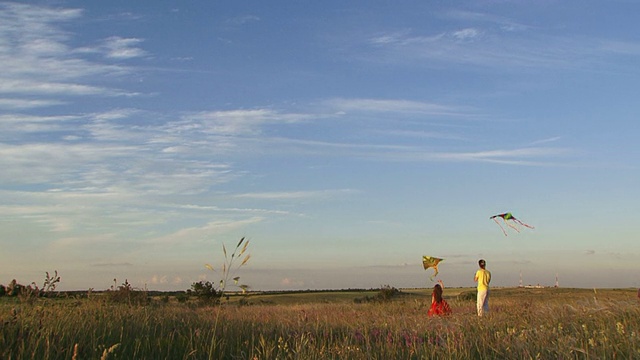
(482, 263)
(437, 293)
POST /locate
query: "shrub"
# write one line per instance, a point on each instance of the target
(385, 294)
(32, 291)
(206, 292)
(126, 293)
(13, 289)
(467, 296)
(182, 297)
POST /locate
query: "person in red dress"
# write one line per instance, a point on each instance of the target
(439, 305)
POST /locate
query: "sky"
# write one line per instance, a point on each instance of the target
(343, 140)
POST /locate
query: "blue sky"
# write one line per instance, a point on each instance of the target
(344, 139)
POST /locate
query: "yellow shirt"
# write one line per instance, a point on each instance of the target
(483, 277)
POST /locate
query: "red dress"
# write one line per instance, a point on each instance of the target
(439, 308)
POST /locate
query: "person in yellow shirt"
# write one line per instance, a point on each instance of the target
(483, 278)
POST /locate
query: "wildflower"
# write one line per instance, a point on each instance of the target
(359, 336)
(620, 328)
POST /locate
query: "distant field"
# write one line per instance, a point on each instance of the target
(522, 324)
(341, 296)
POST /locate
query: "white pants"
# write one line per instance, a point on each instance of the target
(483, 302)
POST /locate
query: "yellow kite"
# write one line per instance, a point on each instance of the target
(431, 262)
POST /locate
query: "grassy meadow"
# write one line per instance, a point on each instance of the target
(523, 324)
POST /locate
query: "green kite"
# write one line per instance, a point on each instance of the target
(509, 220)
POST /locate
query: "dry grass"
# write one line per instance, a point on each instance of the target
(523, 324)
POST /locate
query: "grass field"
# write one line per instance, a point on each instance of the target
(523, 324)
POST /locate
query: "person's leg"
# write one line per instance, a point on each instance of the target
(485, 305)
(482, 295)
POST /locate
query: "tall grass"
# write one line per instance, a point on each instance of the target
(519, 326)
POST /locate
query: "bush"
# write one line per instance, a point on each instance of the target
(182, 297)
(385, 294)
(206, 292)
(126, 293)
(32, 291)
(14, 289)
(468, 296)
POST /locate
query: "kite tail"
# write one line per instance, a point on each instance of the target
(512, 226)
(523, 224)
(501, 228)
(434, 274)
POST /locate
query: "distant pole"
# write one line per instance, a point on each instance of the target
(557, 285)
(521, 279)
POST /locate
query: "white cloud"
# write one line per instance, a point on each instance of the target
(420, 134)
(501, 22)
(506, 47)
(548, 140)
(511, 156)
(466, 34)
(242, 20)
(123, 48)
(292, 194)
(119, 264)
(292, 283)
(52, 88)
(392, 105)
(238, 122)
(215, 227)
(16, 104)
(159, 279)
(38, 59)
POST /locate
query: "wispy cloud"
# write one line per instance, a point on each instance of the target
(485, 19)
(34, 87)
(289, 282)
(516, 156)
(121, 264)
(394, 106)
(242, 20)
(199, 233)
(208, 208)
(237, 122)
(293, 194)
(545, 141)
(466, 34)
(20, 104)
(123, 48)
(506, 47)
(165, 280)
(421, 134)
(38, 59)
